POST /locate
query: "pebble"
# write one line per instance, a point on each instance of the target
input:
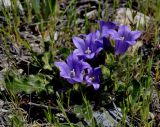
(126, 16)
(92, 14)
(105, 119)
(7, 4)
(95, 2)
(56, 36)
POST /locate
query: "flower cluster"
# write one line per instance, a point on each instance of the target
(77, 70)
(74, 71)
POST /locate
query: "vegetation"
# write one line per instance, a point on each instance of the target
(36, 39)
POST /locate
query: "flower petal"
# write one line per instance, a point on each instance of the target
(79, 43)
(78, 78)
(97, 47)
(121, 47)
(96, 86)
(135, 35)
(78, 52)
(90, 56)
(88, 39)
(71, 60)
(104, 26)
(112, 34)
(97, 71)
(95, 36)
(131, 42)
(86, 65)
(124, 31)
(64, 69)
(70, 80)
(87, 79)
(106, 43)
(93, 77)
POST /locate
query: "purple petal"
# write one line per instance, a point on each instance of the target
(106, 43)
(93, 73)
(100, 40)
(97, 71)
(104, 26)
(78, 52)
(135, 35)
(98, 50)
(79, 69)
(64, 69)
(131, 42)
(71, 81)
(89, 82)
(97, 47)
(95, 36)
(79, 43)
(96, 86)
(124, 31)
(78, 78)
(121, 47)
(86, 65)
(88, 39)
(90, 56)
(72, 59)
(112, 34)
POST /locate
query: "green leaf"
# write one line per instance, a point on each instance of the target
(17, 83)
(105, 72)
(36, 6)
(50, 6)
(136, 89)
(44, 8)
(46, 61)
(110, 60)
(65, 52)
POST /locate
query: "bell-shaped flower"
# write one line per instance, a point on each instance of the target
(106, 27)
(88, 47)
(93, 77)
(124, 38)
(72, 69)
(107, 30)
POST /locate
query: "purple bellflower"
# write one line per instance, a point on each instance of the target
(107, 30)
(72, 69)
(106, 27)
(93, 77)
(88, 47)
(125, 38)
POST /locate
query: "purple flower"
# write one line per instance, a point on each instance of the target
(124, 38)
(72, 69)
(106, 27)
(107, 30)
(93, 77)
(88, 47)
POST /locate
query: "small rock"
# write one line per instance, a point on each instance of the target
(104, 119)
(8, 4)
(126, 16)
(47, 38)
(37, 48)
(151, 116)
(56, 36)
(1, 76)
(110, 117)
(80, 21)
(81, 2)
(92, 14)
